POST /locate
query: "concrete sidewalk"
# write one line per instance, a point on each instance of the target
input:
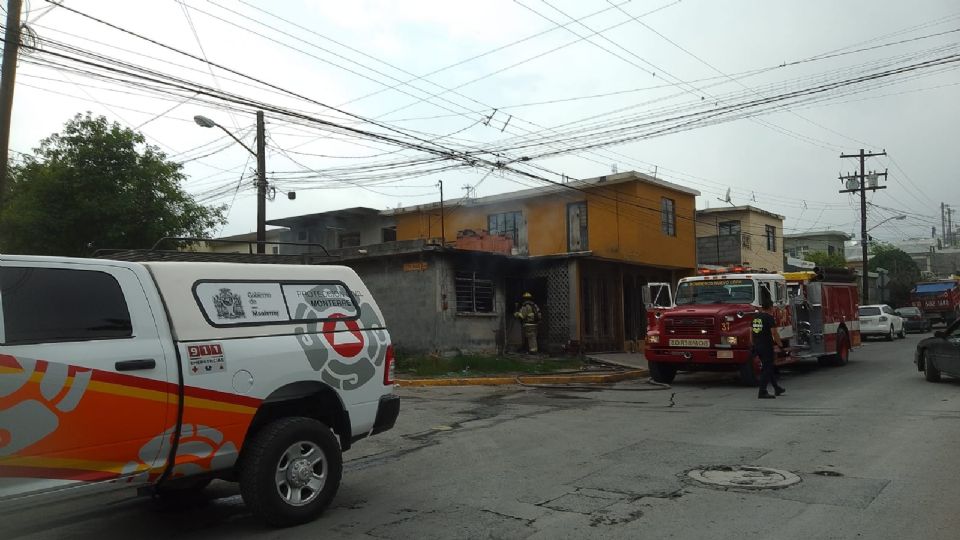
(572, 378)
(626, 360)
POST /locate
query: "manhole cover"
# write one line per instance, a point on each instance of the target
(744, 477)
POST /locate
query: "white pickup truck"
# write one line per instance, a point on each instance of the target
(167, 375)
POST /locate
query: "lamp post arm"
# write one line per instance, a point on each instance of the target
(234, 137)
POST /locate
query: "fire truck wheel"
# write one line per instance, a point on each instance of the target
(843, 349)
(748, 374)
(662, 373)
(930, 371)
(890, 334)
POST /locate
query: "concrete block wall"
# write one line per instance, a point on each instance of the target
(408, 299)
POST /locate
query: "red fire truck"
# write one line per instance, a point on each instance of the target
(708, 329)
(939, 300)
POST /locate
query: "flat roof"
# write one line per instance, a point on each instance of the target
(846, 236)
(744, 208)
(356, 211)
(547, 189)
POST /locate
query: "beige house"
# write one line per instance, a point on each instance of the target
(242, 243)
(740, 235)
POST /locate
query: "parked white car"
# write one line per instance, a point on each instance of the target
(881, 320)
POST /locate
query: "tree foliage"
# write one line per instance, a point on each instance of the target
(97, 185)
(826, 260)
(903, 271)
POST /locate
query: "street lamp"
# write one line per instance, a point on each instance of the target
(866, 280)
(261, 156)
(886, 220)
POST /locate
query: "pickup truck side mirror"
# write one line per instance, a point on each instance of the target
(940, 334)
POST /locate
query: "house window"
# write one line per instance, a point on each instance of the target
(275, 250)
(302, 235)
(728, 228)
(668, 217)
(771, 238)
(388, 234)
(507, 224)
(831, 250)
(44, 305)
(577, 232)
(474, 292)
(350, 239)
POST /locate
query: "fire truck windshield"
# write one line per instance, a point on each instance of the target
(716, 291)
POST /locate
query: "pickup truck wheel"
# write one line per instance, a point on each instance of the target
(662, 372)
(930, 371)
(290, 471)
(749, 374)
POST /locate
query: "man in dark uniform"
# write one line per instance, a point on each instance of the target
(766, 342)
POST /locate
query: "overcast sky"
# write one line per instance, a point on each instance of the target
(435, 71)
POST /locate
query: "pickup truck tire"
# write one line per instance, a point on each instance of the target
(290, 471)
(662, 372)
(930, 371)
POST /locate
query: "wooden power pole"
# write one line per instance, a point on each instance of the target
(11, 50)
(862, 187)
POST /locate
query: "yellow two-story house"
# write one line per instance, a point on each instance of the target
(584, 249)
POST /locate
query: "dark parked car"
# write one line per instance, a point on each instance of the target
(913, 320)
(940, 353)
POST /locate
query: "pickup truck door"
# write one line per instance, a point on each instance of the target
(86, 391)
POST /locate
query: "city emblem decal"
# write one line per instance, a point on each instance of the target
(229, 305)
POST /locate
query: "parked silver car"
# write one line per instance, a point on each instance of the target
(881, 320)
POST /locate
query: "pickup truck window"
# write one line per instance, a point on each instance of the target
(246, 303)
(56, 304)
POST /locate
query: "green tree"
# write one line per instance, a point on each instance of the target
(903, 271)
(97, 185)
(826, 260)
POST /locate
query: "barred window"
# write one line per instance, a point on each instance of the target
(507, 224)
(668, 217)
(474, 292)
(728, 228)
(771, 238)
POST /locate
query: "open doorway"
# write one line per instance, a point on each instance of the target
(515, 287)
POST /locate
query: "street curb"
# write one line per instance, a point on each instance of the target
(528, 379)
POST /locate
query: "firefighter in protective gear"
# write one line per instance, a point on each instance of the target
(529, 315)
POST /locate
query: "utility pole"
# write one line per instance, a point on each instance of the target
(261, 185)
(943, 223)
(862, 188)
(443, 232)
(11, 50)
(951, 238)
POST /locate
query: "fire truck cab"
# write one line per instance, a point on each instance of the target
(709, 328)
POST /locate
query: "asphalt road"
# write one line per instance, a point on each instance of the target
(875, 446)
